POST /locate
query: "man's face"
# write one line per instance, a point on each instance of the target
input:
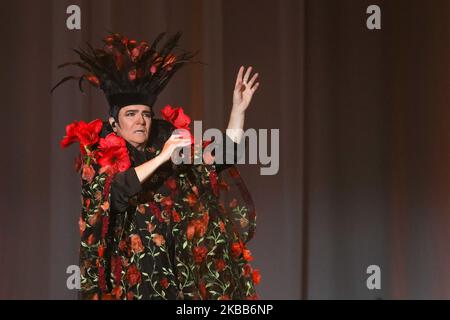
(134, 124)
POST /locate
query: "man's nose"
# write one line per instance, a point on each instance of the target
(141, 119)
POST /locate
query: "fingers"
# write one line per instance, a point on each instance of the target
(239, 77)
(252, 80)
(242, 80)
(247, 74)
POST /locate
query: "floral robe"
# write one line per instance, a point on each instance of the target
(180, 235)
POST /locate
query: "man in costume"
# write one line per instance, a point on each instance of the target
(151, 229)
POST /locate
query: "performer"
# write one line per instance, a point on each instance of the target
(151, 229)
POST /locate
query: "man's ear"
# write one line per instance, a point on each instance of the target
(113, 123)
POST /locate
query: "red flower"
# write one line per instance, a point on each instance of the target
(233, 203)
(176, 117)
(171, 183)
(101, 278)
(220, 264)
(175, 216)
(247, 255)
(87, 133)
(202, 289)
(90, 240)
(222, 226)
(167, 202)
(113, 154)
(214, 185)
(133, 275)
(164, 283)
(132, 74)
(136, 244)
(199, 253)
(82, 225)
(71, 135)
(88, 173)
(247, 270)
(190, 231)
(93, 80)
(236, 249)
(256, 276)
(105, 226)
(101, 251)
(156, 211)
(191, 199)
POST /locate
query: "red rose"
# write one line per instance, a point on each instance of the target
(164, 283)
(247, 255)
(190, 231)
(88, 173)
(220, 264)
(176, 117)
(156, 211)
(133, 275)
(136, 244)
(256, 276)
(236, 249)
(199, 254)
(113, 153)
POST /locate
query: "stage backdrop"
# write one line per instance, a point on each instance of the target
(364, 136)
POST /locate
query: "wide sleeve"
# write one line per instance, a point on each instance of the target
(228, 149)
(124, 186)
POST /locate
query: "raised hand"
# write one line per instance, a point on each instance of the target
(244, 89)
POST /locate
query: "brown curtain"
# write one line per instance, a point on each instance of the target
(364, 139)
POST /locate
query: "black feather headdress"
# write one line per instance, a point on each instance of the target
(128, 72)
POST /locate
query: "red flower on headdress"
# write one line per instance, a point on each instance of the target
(176, 116)
(93, 80)
(113, 154)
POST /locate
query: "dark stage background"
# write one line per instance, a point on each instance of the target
(364, 126)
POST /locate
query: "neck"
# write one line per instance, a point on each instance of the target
(140, 147)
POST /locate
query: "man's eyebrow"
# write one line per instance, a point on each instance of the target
(145, 111)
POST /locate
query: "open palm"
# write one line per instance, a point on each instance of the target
(244, 89)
